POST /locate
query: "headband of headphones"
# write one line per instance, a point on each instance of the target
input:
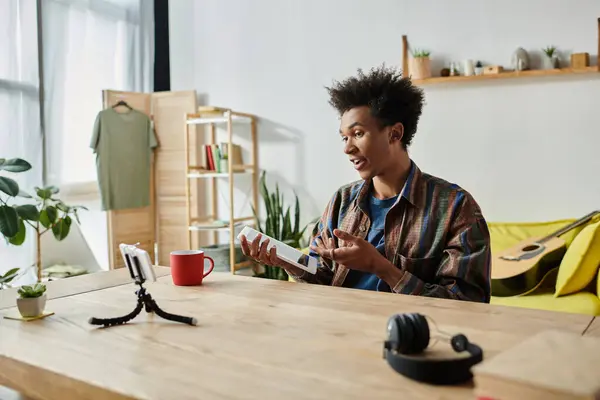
(408, 336)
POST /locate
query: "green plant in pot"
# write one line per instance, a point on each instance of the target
(32, 300)
(420, 64)
(550, 61)
(278, 224)
(43, 212)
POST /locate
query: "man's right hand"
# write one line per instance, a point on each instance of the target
(258, 252)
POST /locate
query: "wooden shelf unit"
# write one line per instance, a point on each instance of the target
(227, 117)
(506, 74)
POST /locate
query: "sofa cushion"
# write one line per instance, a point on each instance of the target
(580, 263)
(581, 303)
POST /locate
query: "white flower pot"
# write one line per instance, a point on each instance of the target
(32, 307)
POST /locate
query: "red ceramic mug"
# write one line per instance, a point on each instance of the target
(187, 267)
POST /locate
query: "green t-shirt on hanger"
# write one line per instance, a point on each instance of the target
(123, 143)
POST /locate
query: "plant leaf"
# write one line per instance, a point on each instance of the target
(14, 165)
(44, 219)
(61, 228)
(28, 212)
(52, 189)
(43, 194)
(52, 214)
(62, 206)
(19, 238)
(296, 215)
(9, 275)
(23, 193)
(9, 221)
(9, 186)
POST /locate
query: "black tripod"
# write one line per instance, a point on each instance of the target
(144, 300)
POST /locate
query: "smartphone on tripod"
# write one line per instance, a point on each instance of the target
(138, 262)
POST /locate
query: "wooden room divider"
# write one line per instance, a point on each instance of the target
(162, 226)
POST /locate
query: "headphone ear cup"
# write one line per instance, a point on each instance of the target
(459, 343)
(421, 332)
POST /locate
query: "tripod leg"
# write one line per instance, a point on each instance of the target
(169, 316)
(118, 320)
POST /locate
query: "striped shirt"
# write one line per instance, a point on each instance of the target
(435, 233)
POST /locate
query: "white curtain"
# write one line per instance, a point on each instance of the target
(89, 46)
(20, 133)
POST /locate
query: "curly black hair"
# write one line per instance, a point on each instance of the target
(390, 97)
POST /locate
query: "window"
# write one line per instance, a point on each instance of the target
(89, 46)
(83, 47)
(20, 133)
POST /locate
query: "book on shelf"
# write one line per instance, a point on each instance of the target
(215, 157)
(549, 365)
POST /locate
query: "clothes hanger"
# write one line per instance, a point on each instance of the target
(122, 103)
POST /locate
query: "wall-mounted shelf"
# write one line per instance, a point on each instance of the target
(506, 75)
(532, 73)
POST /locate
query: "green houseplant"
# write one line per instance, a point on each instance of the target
(32, 300)
(281, 223)
(550, 61)
(43, 212)
(420, 64)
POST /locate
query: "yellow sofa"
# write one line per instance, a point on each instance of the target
(585, 300)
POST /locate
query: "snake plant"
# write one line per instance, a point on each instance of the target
(281, 223)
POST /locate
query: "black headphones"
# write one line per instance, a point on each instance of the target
(408, 335)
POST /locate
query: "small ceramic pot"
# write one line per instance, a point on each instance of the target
(550, 62)
(420, 68)
(31, 307)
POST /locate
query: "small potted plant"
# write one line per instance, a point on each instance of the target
(550, 61)
(32, 300)
(479, 68)
(420, 64)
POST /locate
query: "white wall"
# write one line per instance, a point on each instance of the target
(527, 149)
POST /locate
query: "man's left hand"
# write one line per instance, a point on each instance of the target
(358, 254)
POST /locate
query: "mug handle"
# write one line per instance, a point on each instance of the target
(212, 266)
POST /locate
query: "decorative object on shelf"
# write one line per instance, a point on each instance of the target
(47, 213)
(445, 72)
(492, 69)
(420, 64)
(580, 60)
(32, 300)
(454, 69)
(520, 60)
(468, 68)
(479, 68)
(550, 59)
(278, 225)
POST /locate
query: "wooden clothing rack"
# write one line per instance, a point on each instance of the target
(165, 220)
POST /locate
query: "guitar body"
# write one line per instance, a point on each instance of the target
(519, 269)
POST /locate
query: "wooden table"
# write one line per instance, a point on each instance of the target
(256, 338)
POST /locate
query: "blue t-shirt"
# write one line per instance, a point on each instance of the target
(378, 209)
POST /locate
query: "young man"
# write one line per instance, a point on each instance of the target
(397, 229)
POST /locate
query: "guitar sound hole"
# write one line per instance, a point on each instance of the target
(531, 247)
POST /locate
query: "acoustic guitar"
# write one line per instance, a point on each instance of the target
(520, 269)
